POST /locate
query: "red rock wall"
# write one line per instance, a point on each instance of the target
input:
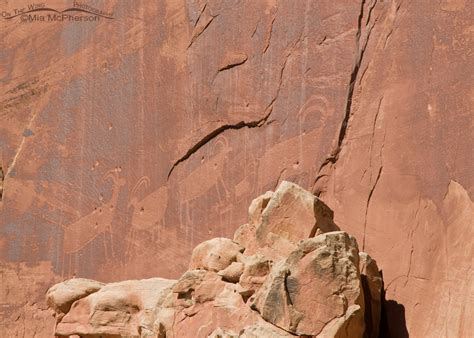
(125, 142)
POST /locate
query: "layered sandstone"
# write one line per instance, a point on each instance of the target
(295, 275)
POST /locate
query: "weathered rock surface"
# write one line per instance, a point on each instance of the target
(318, 289)
(61, 296)
(233, 272)
(117, 309)
(141, 136)
(215, 254)
(294, 213)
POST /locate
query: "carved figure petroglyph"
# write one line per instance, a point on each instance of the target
(208, 175)
(147, 212)
(272, 164)
(78, 234)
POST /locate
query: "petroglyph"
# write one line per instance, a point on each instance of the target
(272, 166)
(315, 105)
(208, 174)
(148, 212)
(80, 233)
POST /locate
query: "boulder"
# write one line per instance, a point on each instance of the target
(257, 206)
(263, 329)
(256, 268)
(116, 309)
(292, 214)
(294, 277)
(226, 310)
(61, 296)
(233, 272)
(221, 333)
(189, 281)
(245, 236)
(215, 254)
(349, 325)
(194, 287)
(272, 301)
(165, 317)
(209, 288)
(328, 263)
(320, 277)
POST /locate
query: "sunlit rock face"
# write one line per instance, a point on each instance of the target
(312, 285)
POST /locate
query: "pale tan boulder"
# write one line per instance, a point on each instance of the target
(314, 286)
(233, 272)
(263, 329)
(194, 287)
(245, 236)
(189, 281)
(165, 318)
(257, 206)
(61, 296)
(328, 263)
(209, 288)
(272, 301)
(215, 254)
(256, 268)
(115, 309)
(292, 214)
(349, 325)
(280, 287)
(226, 310)
(186, 299)
(222, 333)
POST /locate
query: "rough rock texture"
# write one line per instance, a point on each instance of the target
(117, 309)
(215, 254)
(141, 136)
(61, 296)
(316, 290)
(292, 214)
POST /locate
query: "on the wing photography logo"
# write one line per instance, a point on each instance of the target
(41, 12)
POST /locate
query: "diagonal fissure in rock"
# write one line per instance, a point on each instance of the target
(359, 55)
(213, 134)
(368, 204)
(242, 124)
(353, 77)
(201, 31)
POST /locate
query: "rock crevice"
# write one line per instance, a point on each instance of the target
(326, 167)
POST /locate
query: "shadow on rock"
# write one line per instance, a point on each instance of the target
(393, 323)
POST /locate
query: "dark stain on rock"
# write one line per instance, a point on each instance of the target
(27, 132)
(2, 176)
(292, 286)
(22, 95)
(23, 86)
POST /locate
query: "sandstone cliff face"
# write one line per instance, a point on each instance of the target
(126, 142)
(280, 284)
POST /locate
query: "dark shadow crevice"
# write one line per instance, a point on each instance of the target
(392, 321)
